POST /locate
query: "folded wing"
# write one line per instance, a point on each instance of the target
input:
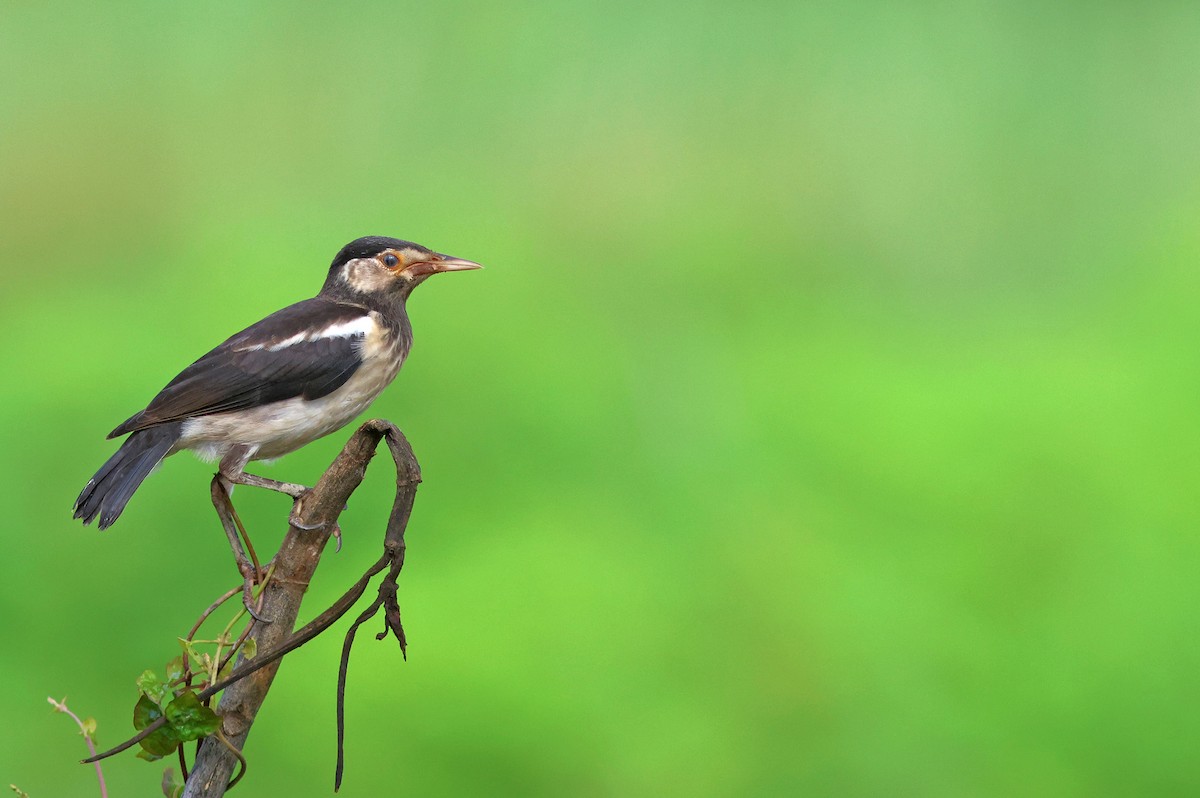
(308, 349)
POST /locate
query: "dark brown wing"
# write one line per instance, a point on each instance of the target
(281, 357)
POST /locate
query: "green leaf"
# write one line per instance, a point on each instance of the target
(249, 648)
(191, 719)
(146, 755)
(164, 740)
(89, 728)
(154, 688)
(174, 670)
(145, 712)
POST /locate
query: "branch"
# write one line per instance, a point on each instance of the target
(294, 565)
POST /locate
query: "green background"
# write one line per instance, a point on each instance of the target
(824, 423)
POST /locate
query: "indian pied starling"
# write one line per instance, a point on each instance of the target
(300, 373)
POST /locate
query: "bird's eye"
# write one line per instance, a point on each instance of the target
(390, 260)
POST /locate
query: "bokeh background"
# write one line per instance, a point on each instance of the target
(825, 421)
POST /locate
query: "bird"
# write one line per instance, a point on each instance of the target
(299, 374)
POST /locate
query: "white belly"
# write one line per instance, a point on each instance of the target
(274, 430)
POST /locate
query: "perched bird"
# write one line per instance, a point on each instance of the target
(300, 373)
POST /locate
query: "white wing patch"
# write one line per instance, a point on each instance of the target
(363, 325)
(285, 343)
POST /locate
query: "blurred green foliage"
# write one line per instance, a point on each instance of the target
(821, 424)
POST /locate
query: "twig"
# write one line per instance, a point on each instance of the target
(301, 636)
(61, 706)
(235, 752)
(182, 763)
(233, 591)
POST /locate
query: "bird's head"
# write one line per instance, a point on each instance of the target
(386, 268)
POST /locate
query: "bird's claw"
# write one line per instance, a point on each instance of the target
(295, 521)
(337, 529)
(250, 577)
(248, 603)
(294, 518)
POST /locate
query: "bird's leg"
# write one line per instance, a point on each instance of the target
(294, 490)
(290, 488)
(249, 567)
(231, 468)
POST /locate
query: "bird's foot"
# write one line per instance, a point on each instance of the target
(251, 577)
(248, 603)
(295, 521)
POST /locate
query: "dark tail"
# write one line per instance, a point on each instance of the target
(107, 493)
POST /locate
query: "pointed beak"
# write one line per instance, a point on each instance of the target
(446, 264)
(449, 264)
